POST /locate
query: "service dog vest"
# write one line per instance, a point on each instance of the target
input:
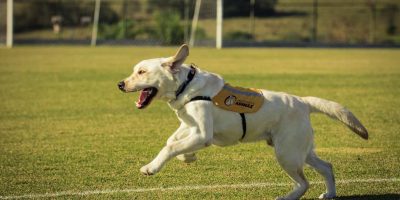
(238, 99)
(235, 99)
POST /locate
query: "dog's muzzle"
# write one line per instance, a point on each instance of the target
(121, 86)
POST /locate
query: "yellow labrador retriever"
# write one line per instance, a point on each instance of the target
(283, 120)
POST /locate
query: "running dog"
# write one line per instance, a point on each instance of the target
(282, 120)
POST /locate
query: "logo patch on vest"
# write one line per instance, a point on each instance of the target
(237, 99)
(230, 100)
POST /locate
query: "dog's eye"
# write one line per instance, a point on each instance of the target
(140, 72)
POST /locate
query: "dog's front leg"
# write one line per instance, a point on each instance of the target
(180, 133)
(198, 117)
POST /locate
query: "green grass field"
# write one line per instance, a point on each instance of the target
(64, 125)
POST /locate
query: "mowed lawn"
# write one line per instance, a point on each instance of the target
(64, 125)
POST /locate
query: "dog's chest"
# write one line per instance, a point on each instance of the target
(227, 127)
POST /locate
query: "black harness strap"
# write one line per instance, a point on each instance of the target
(242, 116)
(183, 86)
(189, 78)
(243, 124)
(197, 98)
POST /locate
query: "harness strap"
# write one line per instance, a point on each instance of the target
(203, 98)
(242, 116)
(189, 78)
(243, 124)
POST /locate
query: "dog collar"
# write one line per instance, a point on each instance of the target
(189, 78)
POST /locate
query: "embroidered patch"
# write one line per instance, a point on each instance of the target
(240, 100)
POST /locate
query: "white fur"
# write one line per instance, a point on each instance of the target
(283, 121)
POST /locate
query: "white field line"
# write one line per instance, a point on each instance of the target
(189, 187)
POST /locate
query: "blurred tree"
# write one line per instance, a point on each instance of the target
(168, 28)
(124, 29)
(391, 11)
(232, 8)
(36, 14)
(175, 5)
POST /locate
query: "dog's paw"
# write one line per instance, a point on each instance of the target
(187, 158)
(327, 196)
(280, 198)
(148, 170)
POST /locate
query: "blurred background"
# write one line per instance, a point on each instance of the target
(171, 22)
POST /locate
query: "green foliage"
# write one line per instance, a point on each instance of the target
(294, 36)
(124, 29)
(33, 14)
(391, 11)
(168, 28)
(171, 5)
(168, 4)
(235, 8)
(238, 35)
(200, 34)
(232, 8)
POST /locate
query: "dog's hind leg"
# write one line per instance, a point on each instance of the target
(187, 157)
(325, 169)
(294, 168)
(292, 143)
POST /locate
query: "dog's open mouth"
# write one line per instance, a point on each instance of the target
(145, 97)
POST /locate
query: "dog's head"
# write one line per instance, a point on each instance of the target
(155, 78)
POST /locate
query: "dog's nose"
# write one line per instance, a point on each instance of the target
(121, 85)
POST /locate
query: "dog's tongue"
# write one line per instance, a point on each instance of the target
(142, 97)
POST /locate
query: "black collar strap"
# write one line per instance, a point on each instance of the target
(189, 78)
(183, 86)
(200, 98)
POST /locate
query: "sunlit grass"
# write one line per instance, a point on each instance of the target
(65, 126)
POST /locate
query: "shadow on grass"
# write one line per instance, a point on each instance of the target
(371, 197)
(368, 197)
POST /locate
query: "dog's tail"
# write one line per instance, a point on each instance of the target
(336, 111)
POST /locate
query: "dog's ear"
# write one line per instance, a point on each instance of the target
(177, 60)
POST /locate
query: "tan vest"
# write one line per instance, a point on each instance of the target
(238, 99)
